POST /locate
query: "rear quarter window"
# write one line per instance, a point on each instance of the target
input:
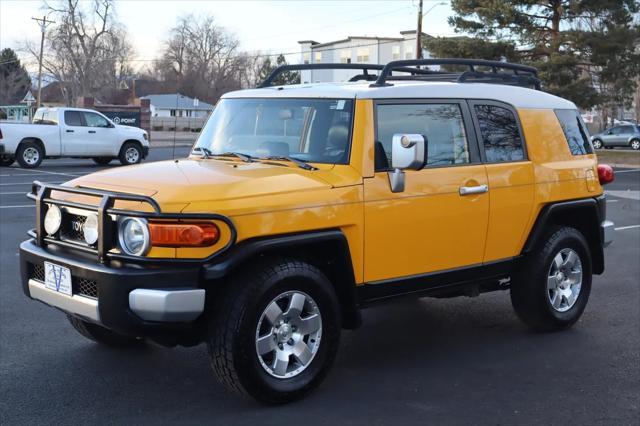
(575, 131)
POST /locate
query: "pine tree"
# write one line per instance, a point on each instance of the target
(567, 40)
(14, 79)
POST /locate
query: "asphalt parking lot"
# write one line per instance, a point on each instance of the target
(431, 361)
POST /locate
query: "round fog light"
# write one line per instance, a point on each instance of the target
(52, 219)
(90, 229)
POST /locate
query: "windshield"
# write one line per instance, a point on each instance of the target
(314, 130)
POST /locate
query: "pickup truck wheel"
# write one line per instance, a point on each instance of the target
(29, 155)
(6, 161)
(552, 288)
(102, 335)
(102, 161)
(130, 153)
(276, 331)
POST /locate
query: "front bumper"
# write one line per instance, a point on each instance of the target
(145, 301)
(145, 151)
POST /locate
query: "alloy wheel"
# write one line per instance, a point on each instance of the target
(288, 334)
(564, 280)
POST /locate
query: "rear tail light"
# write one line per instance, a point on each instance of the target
(605, 174)
(183, 234)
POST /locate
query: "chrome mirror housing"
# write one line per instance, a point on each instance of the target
(408, 152)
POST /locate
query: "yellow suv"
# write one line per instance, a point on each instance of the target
(300, 205)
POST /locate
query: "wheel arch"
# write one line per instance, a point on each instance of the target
(35, 140)
(585, 215)
(328, 250)
(136, 141)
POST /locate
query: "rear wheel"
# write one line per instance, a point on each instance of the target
(102, 335)
(29, 155)
(102, 161)
(552, 289)
(276, 332)
(6, 160)
(635, 144)
(130, 153)
(597, 143)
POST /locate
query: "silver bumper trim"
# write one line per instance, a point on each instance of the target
(79, 305)
(607, 232)
(169, 305)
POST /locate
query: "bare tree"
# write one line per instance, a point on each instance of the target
(202, 59)
(87, 50)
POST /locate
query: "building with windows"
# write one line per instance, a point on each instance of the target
(367, 50)
(177, 105)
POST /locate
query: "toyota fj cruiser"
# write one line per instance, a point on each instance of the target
(299, 205)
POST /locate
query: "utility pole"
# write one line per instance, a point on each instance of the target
(419, 33)
(43, 22)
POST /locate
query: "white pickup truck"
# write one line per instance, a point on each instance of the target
(70, 132)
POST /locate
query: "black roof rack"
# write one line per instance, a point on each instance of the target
(365, 68)
(516, 74)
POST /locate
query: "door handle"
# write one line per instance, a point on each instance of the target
(92, 131)
(70, 131)
(469, 190)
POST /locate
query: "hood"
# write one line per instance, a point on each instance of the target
(129, 128)
(191, 180)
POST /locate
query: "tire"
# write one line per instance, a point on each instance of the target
(243, 320)
(102, 335)
(102, 161)
(635, 144)
(6, 161)
(597, 144)
(130, 153)
(29, 155)
(539, 280)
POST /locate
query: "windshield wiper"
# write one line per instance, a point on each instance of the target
(206, 152)
(297, 161)
(244, 157)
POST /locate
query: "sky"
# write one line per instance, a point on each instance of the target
(266, 26)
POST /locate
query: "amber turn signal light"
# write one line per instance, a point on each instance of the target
(605, 174)
(183, 234)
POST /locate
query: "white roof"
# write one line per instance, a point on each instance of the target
(518, 97)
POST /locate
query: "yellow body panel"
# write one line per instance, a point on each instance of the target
(428, 227)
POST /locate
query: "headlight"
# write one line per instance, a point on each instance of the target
(133, 235)
(52, 219)
(145, 136)
(90, 229)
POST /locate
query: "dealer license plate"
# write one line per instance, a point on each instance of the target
(57, 278)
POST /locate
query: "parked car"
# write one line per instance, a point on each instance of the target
(301, 205)
(70, 132)
(621, 135)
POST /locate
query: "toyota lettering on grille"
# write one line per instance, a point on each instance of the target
(77, 225)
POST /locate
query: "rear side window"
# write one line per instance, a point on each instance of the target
(500, 133)
(575, 131)
(73, 118)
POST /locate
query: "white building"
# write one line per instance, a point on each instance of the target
(177, 105)
(367, 50)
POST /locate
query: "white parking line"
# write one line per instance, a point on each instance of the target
(621, 228)
(14, 193)
(612, 201)
(17, 207)
(41, 171)
(627, 171)
(26, 183)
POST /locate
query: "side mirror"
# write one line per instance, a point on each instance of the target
(408, 152)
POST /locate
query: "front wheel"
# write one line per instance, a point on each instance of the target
(597, 143)
(635, 144)
(102, 335)
(130, 153)
(276, 332)
(6, 160)
(552, 288)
